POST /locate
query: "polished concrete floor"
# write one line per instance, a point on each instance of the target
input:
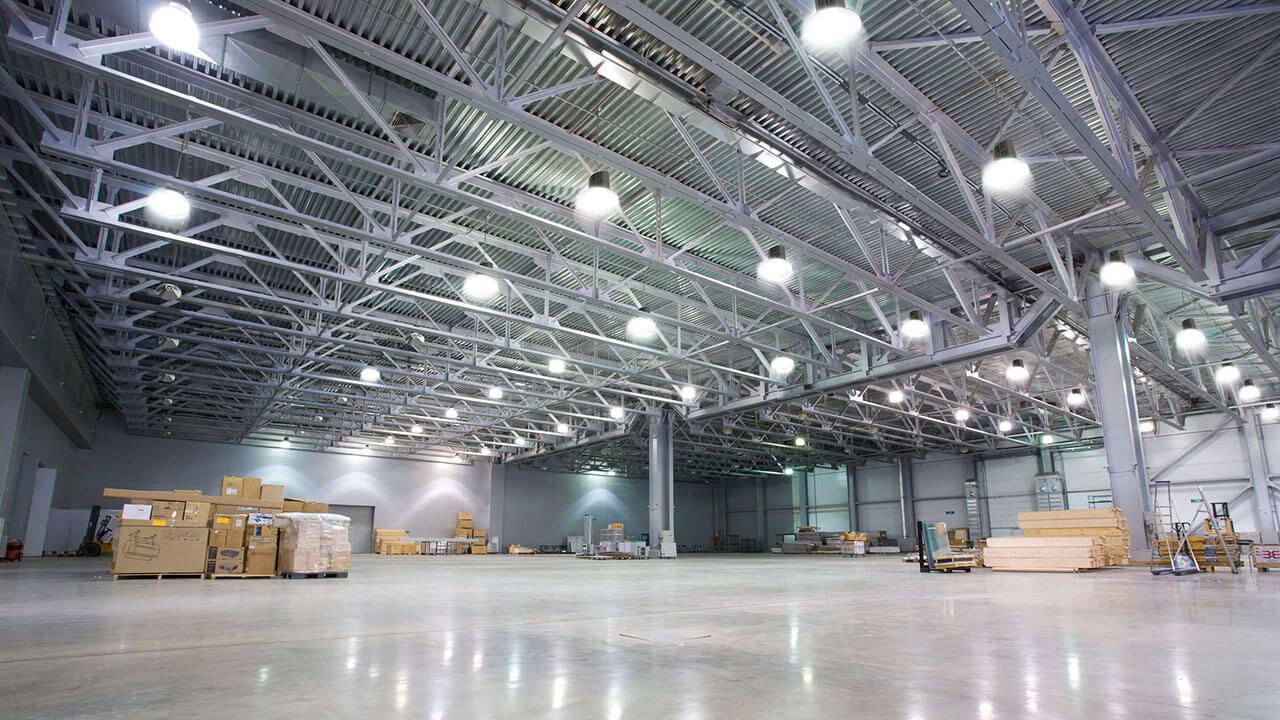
(739, 637)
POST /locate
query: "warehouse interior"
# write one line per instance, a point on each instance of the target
(919, 352)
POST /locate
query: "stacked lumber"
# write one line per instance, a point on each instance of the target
(1045, 554)
(387, 541)
(1202, 548)
(1107, 524)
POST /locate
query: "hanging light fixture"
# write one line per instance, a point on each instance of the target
(914, 327)
(896, 396)
(1227, 374)
(598, 200)
(642, 327)
(555, 366)
(416, 429)
(1190, 339)
(1146, 425)
(451, 413)
(688, 393)
(481, 286)
(169, 343)
(1249, 392)
(168, 204)
(962, 415)
(617, 413)
(1006, 172)
(562, 428)
(1047, 439)
(173, 25)
(168, 292)
(1017, 372)
(1270, 412)
(1076, 398)
(800, 441)
(775, 268)
(484, 450)
(370, 374)
(1116, 272)
(831, 26)
(495, 393)
(285, 444)
(782, 366)
(1005, 426)
(788, 471)
(389, 441)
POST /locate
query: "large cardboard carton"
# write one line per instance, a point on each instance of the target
(260, 534)
(260, 559)
(196, 514)
(232, 485)
(292, 505)
(227, 531)
(170, 512)
(310, 506)
(252, 488)
(159, 550)
(225, 561)
(462, 532)
(272, 493)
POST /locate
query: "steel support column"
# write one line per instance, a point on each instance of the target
(907, 496)
(1264, 502)
(661, 476)
(1118, 409)
(13, 403)
(851, 477)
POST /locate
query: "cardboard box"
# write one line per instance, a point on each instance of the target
(260, 534)
(252, 488)
(464, 516)
(315, 507)
(232, 485)
(290, 505)
(136, 511)
(227, 531)
(260, 559)
(272, 493)
(188, 492)
(196, 514)
(170, 512)
(462, 532)
(224, 560)
(463, 523)
(159, 550)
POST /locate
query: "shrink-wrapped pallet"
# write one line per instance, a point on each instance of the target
(314, 543)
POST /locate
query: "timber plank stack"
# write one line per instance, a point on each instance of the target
(1045, 554)
(1107, 524)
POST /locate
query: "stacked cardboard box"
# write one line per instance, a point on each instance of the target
(1046, 554)
(1107, 524)
(314, 543)
(161, 537)
(261, 541)
(463, 528)
(481, 544)
(387, 541)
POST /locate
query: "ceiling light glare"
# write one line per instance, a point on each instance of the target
(617, 413)
(286, 444)
(782, 366)
(788, 471)
(914, 327)
(416, 429)
(1006, 173)
(173, 25)
(1270, 412)
(370, 374)
(1146, 426)
(831, 26)
(1017, 373)
(562, 428)
(963, 414)
(481, 286)
(1227, 374)
(775, 268)
(897, 396)
(597, 200)
(1116, 272)
(495, 393)
(519, 441)
(800, 441)
(167, 377)
(1005, 426)
(451, 413)
(1076, 398)
(1249, 392)
(484, 450)
(1190, 339)
(1047, 439)
(169, 205)
(555, 366)
(389, 441)
(642, 327)
(688, 393)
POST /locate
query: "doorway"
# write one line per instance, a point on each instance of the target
(361, 532)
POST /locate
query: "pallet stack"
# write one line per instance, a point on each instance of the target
(1045, 554)
(387, 541)
(1107, 524)
(464, 527)
(1207, 551)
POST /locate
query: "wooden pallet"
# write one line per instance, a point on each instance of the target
(241, 577)
(303, 576)
(1045, 570)
(610, 556)
(155, 576)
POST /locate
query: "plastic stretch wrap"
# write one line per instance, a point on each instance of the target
(314, 542)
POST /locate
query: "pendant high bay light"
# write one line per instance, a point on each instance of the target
(642, 327)
(1190, 339)
(1017, 372)
(1249, 392)
(1006, 173)
(173, 25)
(775, 268)
(169, 205)
(831, 26)
(481, 286)
(1116, 272)
(1227, 374)
(914, 327)
(597, 200)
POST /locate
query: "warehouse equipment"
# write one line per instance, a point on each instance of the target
(1204, 542)
(935, 550)
(97, 534)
